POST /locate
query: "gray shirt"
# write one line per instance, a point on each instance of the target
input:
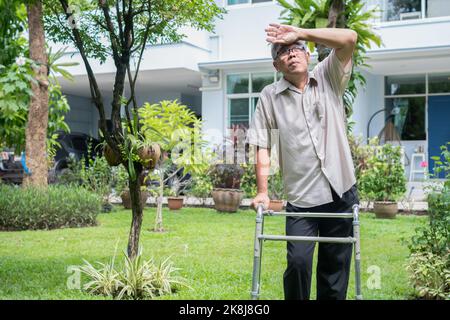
(311, 140)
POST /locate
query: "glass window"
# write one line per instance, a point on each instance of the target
(410, 84)
(403, 9)
(239, 112)
(260, 80)
(439, 83)
(237, 83)
(408, 117)
(232, 2)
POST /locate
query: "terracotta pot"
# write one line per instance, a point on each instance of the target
(385, 209)
(276, 205)
(175, 203)
(227, 200)
(111, 157)
(126, 199)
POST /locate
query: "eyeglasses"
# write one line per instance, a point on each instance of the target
(286, 51)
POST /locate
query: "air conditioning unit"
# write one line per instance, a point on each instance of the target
(410, 15)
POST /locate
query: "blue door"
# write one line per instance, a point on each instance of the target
(438, 127)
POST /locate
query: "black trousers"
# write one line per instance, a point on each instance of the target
(333, 266)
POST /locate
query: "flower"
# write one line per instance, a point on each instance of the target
(423, 164)
(20, 61)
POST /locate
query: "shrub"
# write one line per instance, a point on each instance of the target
(361, 153)
(430, 275)
(384, 179)
(249, 180)
(429, 264)
(276, 186)
(227, 176)
(47, 208)
(137, 279)
(201, 185)
(98, 177)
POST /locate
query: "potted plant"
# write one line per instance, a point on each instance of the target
(174, 200)
(227, 194)
(276, 192)
(383, 181)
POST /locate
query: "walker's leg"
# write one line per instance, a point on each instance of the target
(257, 254)
(357, 252)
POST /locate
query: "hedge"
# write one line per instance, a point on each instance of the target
(47, 208)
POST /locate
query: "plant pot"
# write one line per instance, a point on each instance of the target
(227, 200)
(385, 209)
(175, 203)
(111, 157)
(126, 199)
(276, 205)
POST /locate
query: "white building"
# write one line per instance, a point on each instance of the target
(220, 75)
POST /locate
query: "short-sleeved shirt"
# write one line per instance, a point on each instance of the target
(312, 144)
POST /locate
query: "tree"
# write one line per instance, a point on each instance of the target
(16, 77)
(36, 132)
(123, 28)
(178, 130)
(336, 14)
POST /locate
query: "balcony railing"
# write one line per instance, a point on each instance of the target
(398, 10)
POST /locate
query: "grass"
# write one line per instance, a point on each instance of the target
(214, 250)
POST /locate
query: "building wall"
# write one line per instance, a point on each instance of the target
(80, 118)
(213, 115)
(368, 101)
(241, 32)
(432, 32)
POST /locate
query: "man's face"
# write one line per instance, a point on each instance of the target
(292, 60)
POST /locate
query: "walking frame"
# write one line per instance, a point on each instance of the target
(260, 237)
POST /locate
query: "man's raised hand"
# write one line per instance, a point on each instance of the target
(282, 34)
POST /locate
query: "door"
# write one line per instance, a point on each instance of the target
(438, 127)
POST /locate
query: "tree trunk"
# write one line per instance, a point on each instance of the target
(137, 215)
(336, 19)
(158, 220)
(36, 131)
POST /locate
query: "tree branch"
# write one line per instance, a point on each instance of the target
(95, 91)
(115, 45)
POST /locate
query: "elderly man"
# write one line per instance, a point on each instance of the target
(314, 155)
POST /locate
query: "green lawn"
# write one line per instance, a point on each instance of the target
(214, 251)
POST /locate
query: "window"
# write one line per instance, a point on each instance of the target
(233, 2)
(242, 94)
(396, 85)
(439, 83)
(403, 9)
(409, 122)
(405, 104)
(395, 10)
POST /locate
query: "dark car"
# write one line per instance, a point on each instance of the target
(75, 146)
(11, 169)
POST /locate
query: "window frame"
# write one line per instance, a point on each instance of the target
(249, 95)
(246, 5)
(425, 95)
